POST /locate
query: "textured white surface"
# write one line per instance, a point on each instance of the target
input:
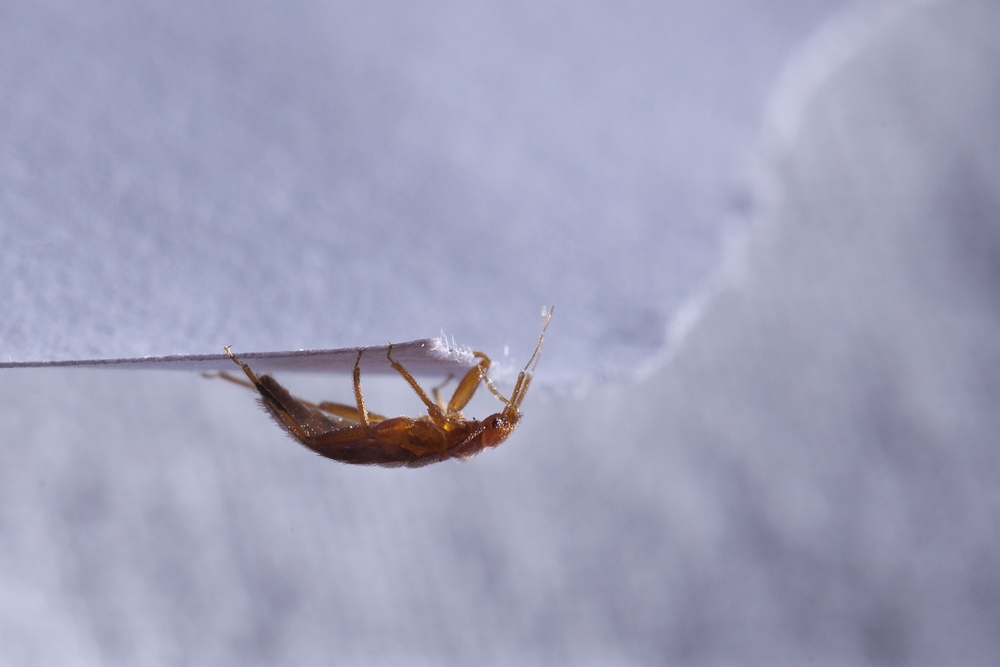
(811, 480)
(301, 175)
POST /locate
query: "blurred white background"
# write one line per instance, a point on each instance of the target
(777, 224)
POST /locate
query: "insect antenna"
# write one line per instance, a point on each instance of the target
(541, 339)
(524, 377)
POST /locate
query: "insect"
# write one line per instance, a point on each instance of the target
(352, 434)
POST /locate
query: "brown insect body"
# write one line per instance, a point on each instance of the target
(352, 434)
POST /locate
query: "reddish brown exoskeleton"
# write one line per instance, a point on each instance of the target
(352, 434)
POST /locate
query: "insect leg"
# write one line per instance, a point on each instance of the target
(362, 410)
(230, 378)
(348, 412)
(436, 392)
(246, 369)
(493, 390)
(292, 414)
(467, 387)
(249, 385)
(435, 411)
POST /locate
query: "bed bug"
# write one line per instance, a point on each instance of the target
(352, 434)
